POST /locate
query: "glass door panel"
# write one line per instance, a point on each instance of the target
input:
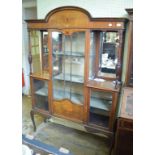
(77, 67)
(100, 107)
(57, 60)
(68, 66)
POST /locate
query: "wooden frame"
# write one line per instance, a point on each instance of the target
(130, 50)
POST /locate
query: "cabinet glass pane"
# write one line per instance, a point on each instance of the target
(100, 107)
(44, 35)
(35, 37)
(105, 45)
(108, 57)
(41, 94)
(68, 66)
(92, 56)
(39, 50)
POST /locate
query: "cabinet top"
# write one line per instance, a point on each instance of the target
(75, 17)
(108, 86)
(126, 110)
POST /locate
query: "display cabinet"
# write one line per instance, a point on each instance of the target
(75, 63)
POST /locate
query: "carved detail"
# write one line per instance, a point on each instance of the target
(68, 18)
(30, 55)
(119, 63)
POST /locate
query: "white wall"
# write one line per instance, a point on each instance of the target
(97, 8)
(29, 3)
(28, 12)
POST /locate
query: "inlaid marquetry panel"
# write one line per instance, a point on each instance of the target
(68, 18)
(68, 110)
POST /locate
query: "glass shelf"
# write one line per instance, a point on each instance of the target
(100, 103)
(68, 53)
(43, 91)
(68, 77)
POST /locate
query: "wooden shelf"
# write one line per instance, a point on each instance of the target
(41, 75)
(74, 62)
(103, 85)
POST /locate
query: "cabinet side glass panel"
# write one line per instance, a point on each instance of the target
(35, 38)
(92, 57)
(100, 107)
(103, 54)
(41, 94)
(108, 54)
(39, 50)
(44, 39)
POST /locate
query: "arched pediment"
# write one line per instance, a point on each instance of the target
(68, 17)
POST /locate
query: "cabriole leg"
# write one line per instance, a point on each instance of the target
(32, 118)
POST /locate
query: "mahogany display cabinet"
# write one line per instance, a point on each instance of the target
(75, 66)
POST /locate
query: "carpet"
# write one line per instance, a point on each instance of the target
(76, 141)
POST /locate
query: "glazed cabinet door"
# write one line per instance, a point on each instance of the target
(100, 108)
(39, 70)
(40, 95)
(68, 59)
